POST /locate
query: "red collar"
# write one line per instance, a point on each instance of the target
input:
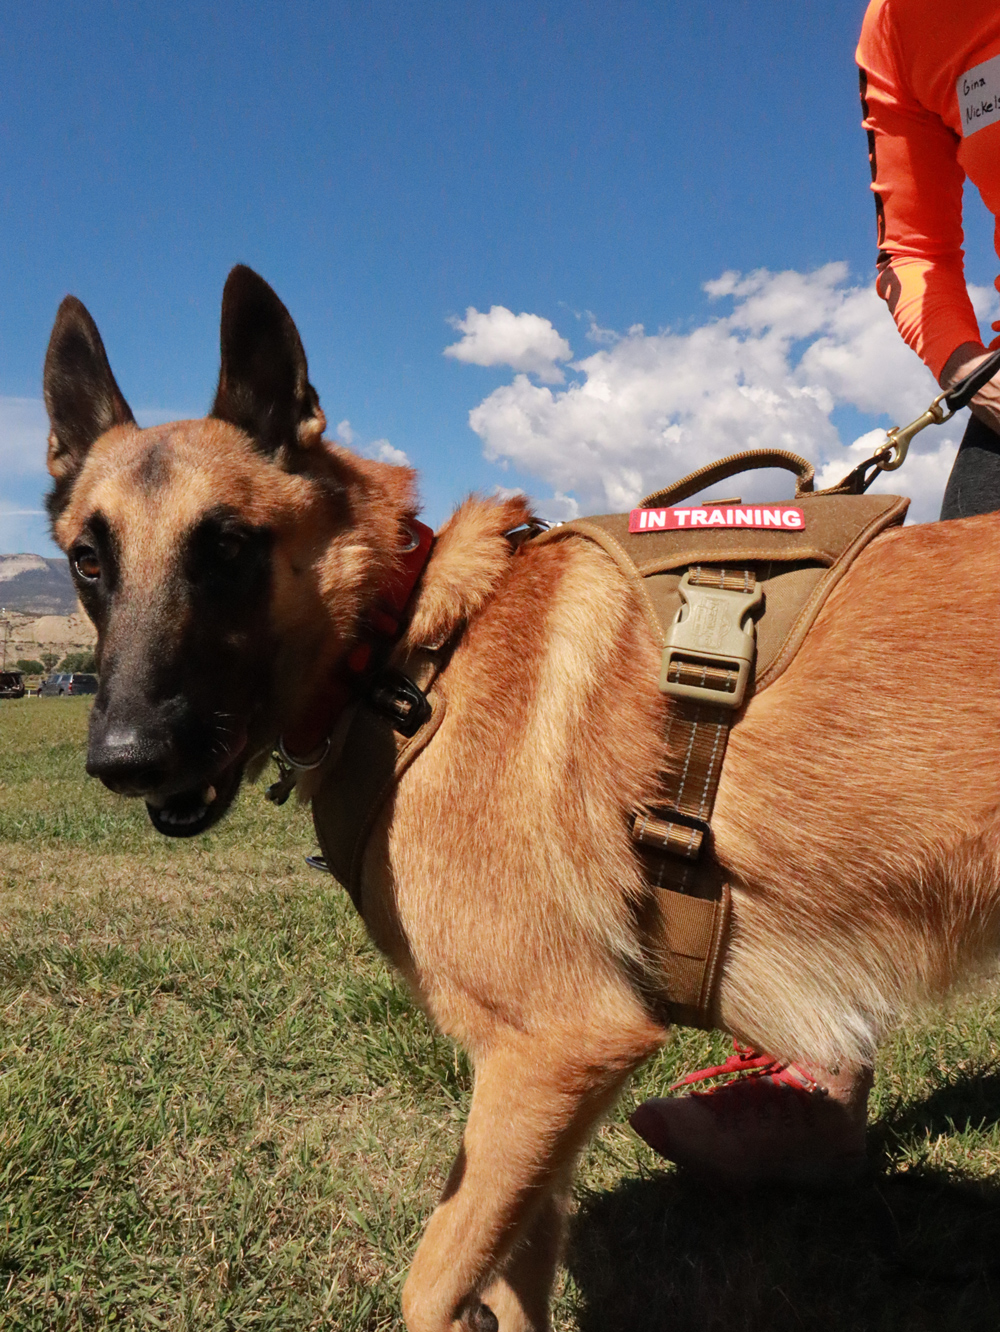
(306, 744)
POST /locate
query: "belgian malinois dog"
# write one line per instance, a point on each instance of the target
(228, 564)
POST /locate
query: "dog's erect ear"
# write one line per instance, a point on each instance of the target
(264, 384)
(81, 396)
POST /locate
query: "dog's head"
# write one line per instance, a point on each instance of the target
(225, 562)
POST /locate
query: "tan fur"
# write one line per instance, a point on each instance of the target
(470, 558)
(867, 840)
(857, 814)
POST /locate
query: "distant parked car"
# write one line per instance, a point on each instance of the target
(64, 684)
(11, 684)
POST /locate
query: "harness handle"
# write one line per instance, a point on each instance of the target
(731, 466)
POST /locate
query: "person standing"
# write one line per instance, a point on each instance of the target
(930, 97)
(930, 93)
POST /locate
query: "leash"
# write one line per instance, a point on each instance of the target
(307, 745)
(892, 454)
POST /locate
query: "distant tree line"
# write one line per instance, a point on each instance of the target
(73, 661)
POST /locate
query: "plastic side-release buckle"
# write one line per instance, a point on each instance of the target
(709, 653)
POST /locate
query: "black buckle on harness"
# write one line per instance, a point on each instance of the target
(404, 703)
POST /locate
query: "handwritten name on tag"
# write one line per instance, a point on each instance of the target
(979, 96)
(786, 517)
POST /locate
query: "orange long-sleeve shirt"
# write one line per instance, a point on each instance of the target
(930, 92)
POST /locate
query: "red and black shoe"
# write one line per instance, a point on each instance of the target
(765, 1121)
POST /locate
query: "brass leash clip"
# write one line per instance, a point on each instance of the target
(890, 455)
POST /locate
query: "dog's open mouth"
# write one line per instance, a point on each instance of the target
(191, 812)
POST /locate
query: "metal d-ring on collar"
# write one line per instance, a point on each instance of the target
(302, 765)
(289, 769)
(414, 540)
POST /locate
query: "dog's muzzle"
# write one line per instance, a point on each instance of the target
(147, 762)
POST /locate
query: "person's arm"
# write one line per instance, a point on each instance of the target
(962, 362)
(917, 183)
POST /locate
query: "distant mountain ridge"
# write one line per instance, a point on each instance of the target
(35, 585)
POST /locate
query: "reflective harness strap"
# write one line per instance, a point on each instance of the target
(686, 933)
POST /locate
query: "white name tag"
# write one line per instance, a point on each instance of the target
(979, 96)
(787, 516)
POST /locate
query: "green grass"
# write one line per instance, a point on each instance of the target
(218, 1110)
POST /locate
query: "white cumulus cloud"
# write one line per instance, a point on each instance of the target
(525, 342)
(378, 448)
(386, 452)
(647, 408)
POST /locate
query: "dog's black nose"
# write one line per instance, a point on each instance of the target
(129, 761)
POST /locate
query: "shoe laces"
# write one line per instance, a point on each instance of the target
(751, 1067)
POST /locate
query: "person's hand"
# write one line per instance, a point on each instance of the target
(963, 360)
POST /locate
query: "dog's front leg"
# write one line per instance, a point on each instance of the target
(535, 1104)
(518, 1296)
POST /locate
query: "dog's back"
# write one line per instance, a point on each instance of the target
(858, 806)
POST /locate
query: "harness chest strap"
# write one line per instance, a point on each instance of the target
(374, 759)
(693, 902)
(377, 752)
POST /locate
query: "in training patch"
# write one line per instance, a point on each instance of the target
(787, 516)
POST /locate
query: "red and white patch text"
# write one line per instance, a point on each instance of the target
(787, 517)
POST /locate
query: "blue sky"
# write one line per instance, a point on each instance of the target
(389, 166)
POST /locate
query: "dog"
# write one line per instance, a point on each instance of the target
(228, 564)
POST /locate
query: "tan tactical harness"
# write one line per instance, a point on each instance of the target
(713, 653)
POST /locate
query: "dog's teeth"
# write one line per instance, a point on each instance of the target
(182, 820)
(208, 795)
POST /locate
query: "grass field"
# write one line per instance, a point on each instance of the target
(218, 1111)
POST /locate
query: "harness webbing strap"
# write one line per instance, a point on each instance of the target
(697, 734)
(672, 836)
(664, 835)
(373, 759)
(726, 580)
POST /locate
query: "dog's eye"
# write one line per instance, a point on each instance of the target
(86, 564)
(229, 547)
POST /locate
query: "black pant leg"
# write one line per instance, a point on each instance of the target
(974, 484)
